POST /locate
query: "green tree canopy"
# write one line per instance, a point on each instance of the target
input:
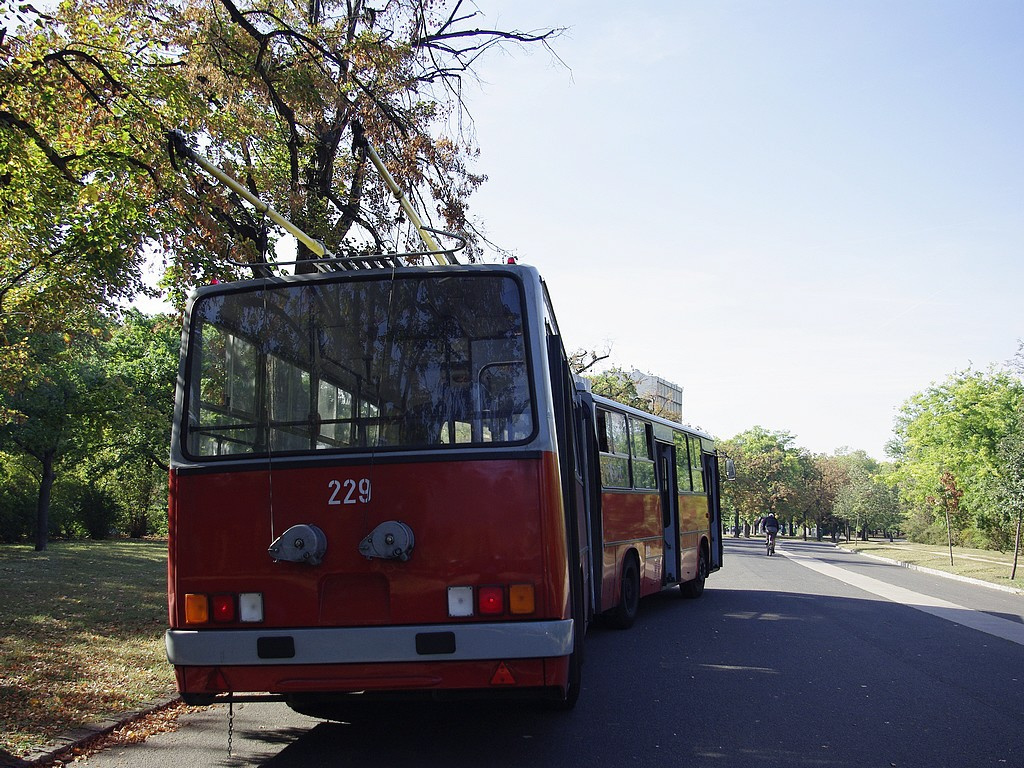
(866, 501)
(1010, 493)
(946, 450)
(60, 402)
(767, 474)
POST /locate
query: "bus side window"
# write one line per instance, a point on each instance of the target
(696, 467)
(613, 442)
(642, 449)
(602, 432)
(682, 463)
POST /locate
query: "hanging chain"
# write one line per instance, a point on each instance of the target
(231, 720)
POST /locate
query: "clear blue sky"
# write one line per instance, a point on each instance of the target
(802, 212)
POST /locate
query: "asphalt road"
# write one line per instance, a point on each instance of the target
(813, 658)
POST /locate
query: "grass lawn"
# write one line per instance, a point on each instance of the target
(983, 564)
(81, 636)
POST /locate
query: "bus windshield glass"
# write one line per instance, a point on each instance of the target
(422, 361)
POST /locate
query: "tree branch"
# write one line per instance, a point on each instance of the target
(60, 162)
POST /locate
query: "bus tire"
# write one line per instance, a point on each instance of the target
(695, 588)
(624, 614)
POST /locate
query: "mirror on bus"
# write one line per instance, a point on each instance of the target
(730, 469)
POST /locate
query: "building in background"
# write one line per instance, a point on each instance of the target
(666, 398)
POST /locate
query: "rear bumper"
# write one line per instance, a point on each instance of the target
(369, 645)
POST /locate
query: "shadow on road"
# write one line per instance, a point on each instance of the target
(781, 674)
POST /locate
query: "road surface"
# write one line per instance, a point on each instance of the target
(814, 657)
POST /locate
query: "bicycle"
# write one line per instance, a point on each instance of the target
(770, 543)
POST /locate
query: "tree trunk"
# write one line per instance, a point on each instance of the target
(949, 534)
(43, 504)
(1016, 546)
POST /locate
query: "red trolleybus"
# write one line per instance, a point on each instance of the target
(385, 480)
(660, 514)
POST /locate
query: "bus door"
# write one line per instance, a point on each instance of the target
(714, 490)
(665, 456)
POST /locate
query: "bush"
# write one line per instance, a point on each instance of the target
(924, 531)
(17, 513)
(141, 492)
(97, 511)
(998, 529)
(81, 509)
(974, 539)
(19, 493)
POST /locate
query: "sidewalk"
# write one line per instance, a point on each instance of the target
(980, 567)
(150, 718)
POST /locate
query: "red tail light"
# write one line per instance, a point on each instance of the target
(223, 607)
(491, 601)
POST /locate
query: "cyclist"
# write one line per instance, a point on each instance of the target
(770, 525)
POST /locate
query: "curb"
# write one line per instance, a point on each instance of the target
(62, 747)
(936, 572)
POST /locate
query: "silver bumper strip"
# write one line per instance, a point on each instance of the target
(365, 645)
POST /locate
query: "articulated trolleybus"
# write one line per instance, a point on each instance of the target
(386, 481)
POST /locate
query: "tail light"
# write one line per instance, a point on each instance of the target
(491, 600)
(521, 599)
(197, 609)
(224, 608)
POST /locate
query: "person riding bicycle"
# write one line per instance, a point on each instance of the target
(770, 525)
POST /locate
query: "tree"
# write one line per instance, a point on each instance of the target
(130, 455)
(1010, 494)
(81, 185)
(767, 474)
(582, 360)
(819, 479)
(293, 81)
(865, 502)
(58, 403)
(946, 445)
(616, 384)
(1011, 490)
(834, 476)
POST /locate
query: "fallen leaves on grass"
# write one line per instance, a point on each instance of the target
(81, 637)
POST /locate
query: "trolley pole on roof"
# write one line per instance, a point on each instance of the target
(179, 145)
(360, 140)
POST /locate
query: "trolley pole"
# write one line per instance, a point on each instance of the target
(180, 146)
(360, 140)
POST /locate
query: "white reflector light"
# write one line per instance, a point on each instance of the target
(250, 606)
(460, 601)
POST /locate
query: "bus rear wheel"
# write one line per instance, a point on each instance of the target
(624, 614)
